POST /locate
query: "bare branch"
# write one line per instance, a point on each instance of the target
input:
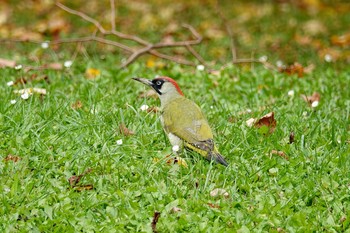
(171, 58)
(83, 16)
(228, 30)
(196, 55)
(112, 15)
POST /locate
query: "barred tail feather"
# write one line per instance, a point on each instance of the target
(211, 155)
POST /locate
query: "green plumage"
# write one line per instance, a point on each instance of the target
(184, 119)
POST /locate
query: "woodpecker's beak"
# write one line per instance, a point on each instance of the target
(144, 81)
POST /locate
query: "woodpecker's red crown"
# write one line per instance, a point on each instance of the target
(158, 83)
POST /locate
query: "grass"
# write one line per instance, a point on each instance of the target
(309, 192)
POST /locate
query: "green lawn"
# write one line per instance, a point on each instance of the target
(308, 192)
(46, 141)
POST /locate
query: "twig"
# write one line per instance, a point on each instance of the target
(112, 15)
(155, 221)
(83, 16)
(229, 32)
(196, 55)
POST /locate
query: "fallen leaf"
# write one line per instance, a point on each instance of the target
(77, 105)
(342, 40)
(250, 122)
(291, 137)
(268, 120)
(54, 66)
(295, 68)
(74, 180)
(175, 209)
(125, 131)
(148, 94)
(13, 158)
(314, 27)
(315, 97)
(92, 73)
(176, 160)
(155, 219)
(153, 109)
(214, 206)
(280, 153)
(215, 72)
(83, 187)
(7, 63)
(219, 192)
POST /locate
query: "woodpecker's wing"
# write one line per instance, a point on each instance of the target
(185, 119)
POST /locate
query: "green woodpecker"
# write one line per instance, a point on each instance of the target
(182, 119)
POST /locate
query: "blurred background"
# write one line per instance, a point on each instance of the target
(282, 31)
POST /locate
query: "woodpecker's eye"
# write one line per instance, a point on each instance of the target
(158, 83)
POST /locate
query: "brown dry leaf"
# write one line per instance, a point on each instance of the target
(342, 40)
(291, 137)
(80, 188)
(92, 73)
(295, 68)
(314, 27)
(219, 192)
(125, 131)
(20, 81)
(153, 109)
(175, 209)
(215, 72)
(148, 94)
(155, 219)
(74, 180)
(311, 99)
(26, 34)
(7, 63)
(77, 105)
(214, 206)
(280, 153)
(308, 69)
(13, 158)
(54, 66)
(267, 120)
(176, 160)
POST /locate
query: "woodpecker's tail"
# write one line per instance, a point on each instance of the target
(217, 157)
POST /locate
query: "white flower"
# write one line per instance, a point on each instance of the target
(144, 107)
(200, 67)
(211, 107)
(18, 67)
(279, 64)
(13, 101)
(291, 93)
(44, 45)
(25, 95)
(7, 190)
(120, 142)
(249, 110)
(263, 58)
(328, 58)
(314, 104)
(68, 63)
(10, 83)
(176, 148)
